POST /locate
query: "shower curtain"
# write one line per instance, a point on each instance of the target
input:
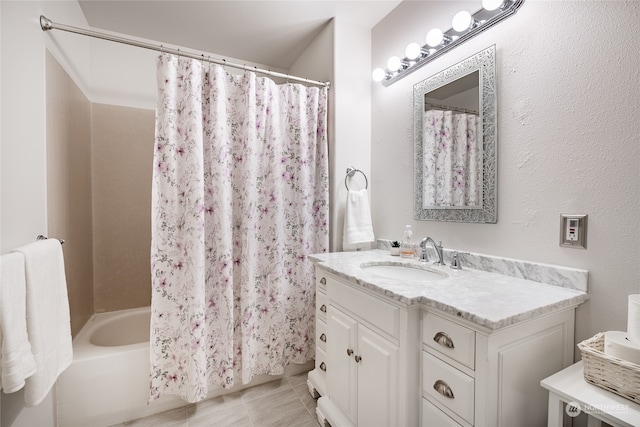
(452, 159)
(240, 198)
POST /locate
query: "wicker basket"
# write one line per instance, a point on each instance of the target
(610, 373)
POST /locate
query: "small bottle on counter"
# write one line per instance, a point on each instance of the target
(406, 248)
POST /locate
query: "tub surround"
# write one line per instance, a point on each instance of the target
(477, 293)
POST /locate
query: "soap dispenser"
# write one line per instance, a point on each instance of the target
(407, 249)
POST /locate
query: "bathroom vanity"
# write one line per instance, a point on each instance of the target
(403, 343)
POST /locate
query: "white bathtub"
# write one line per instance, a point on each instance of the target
(108, 381)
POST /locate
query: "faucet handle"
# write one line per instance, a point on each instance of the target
(456, 264)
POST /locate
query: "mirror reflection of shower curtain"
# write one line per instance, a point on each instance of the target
(452, 159)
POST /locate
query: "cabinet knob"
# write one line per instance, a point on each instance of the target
(357, 358)
(323, 338)
(323, 281)
(323, 308)
(444, 340)
(323, 367)
(443, 388)
(349, 352)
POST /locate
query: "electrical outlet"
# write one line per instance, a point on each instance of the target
(573, 231)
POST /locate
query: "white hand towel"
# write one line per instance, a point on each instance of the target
(357, 220)
(48, 321)
(17, 362)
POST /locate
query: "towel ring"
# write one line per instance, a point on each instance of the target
(351, 172)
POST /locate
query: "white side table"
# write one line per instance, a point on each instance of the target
(569, 386)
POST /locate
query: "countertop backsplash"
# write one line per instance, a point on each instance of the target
(566, 277)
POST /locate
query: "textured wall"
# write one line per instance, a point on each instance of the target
(69, 186)
(568, 134)
(122, 141)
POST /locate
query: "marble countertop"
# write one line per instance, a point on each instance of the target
(488, 299)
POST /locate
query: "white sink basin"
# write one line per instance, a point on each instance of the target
(404, 272)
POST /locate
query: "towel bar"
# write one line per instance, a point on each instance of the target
(351, 172)
(41, 237)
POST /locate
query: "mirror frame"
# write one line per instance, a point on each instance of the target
(485, 63)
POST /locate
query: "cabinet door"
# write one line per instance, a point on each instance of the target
(341, 366)
(377, 379)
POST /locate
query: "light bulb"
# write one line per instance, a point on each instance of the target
(462, 21)
(413, 51)
(394, 63)
(378, 75)
(435, 37)
(492, 4)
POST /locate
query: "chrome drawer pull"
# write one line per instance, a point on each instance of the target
(349, 352)
(323, 338)
(443, 388)
(357, 358)
(444, 340)
(323, 308)
(323, 281)
(323, 367)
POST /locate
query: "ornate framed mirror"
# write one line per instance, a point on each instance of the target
(455, 142)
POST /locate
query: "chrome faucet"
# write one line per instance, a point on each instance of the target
(438, 249)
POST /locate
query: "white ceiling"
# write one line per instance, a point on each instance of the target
(272, 33)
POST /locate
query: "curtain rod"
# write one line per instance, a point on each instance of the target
(46, 24)
(448, 107)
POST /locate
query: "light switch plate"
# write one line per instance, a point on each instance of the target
(573, 231)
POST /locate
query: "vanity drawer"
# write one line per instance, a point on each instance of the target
(322, 303)
(432, 416)
(321, 334)
(378, 313)
(450, 387)
(321, 363)
(321, 281)
(449, 338)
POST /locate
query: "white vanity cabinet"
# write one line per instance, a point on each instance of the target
(467, 350)
(372, 363)
(477, 377)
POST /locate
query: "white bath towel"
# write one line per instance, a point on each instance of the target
(48, 320)
(357, 220)
(16, 359)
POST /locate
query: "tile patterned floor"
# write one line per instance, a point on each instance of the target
(284, 402)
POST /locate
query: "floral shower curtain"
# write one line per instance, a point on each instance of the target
(240, 198)
(452, 159)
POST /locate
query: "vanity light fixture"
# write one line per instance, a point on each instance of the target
(464, 26)
(413, 51)
(394, 64)
(462, 21)
(435, 38)
(492, 4)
